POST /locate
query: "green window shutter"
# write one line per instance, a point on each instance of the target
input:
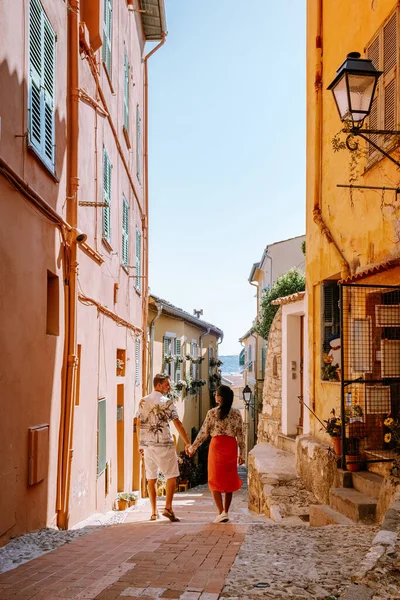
(125, 232)
(106, 197)
(138, 144)
(41, 82)
(263, 358)
(137, 362)
(138, 260)
(101, 435)
(107, 36)
(126, 92)
(178, 367)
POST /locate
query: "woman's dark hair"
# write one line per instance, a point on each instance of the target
(226, 393)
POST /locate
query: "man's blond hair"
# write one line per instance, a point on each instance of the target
(160, 378)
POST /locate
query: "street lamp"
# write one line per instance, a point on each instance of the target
(353, 90)
(247, 396)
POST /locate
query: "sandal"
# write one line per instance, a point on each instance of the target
(169, 513)
(154, 517)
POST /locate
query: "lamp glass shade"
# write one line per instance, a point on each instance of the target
(247, 397)
(361, 92)
(341, 98)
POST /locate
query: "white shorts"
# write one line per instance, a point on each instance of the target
(161, 458)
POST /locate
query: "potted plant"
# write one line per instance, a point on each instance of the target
(392, 438)
(133, 497)
(169, 358)
(161, 484)
(188, 470)
(215, 362)
(122, 500)
(181, 385)
(333, 428)
(353, 462)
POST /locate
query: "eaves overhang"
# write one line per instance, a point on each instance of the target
(179, 313)
(153, 19)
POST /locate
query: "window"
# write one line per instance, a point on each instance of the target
(178, 354)
(383, 51)
(125, 232)
(169, 350)
(106, 197)
(41, 83)
(330, 325)
(107, 36)
(138, 260)
(194, 351)
(52, 309)
(126, 92)
(138, 143)
(137, 362)
(101, 435)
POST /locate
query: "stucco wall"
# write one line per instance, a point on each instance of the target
(270, 419)
(364, 237)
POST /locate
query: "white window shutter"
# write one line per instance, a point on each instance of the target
(138, 143)
(106, 197)
(41, 83)
(138, 260)
(107, 36)
(137, 362)
(126, 91)
(178, 367)
(125, 232)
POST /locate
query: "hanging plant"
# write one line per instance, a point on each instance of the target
(215, 362)
(194, 360)
(179, 360)
(169, 358)
(181, 385)
(120, 364)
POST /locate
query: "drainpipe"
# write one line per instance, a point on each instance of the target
(145, 218)
(317, 213)
(151, 357)
(201, 373)
(70, 353)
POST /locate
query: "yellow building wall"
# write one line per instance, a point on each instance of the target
(363, 223)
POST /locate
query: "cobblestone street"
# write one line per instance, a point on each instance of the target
(251, 557)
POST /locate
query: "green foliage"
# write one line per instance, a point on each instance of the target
(291, 282)
(303, 247)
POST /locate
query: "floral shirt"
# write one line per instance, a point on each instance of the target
(155, 412)
(231, 426)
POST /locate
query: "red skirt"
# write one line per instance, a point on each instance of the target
(223, 464)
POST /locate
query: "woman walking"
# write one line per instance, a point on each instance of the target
(225, 426)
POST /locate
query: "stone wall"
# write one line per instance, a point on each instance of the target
(316, 465)
(271, 417)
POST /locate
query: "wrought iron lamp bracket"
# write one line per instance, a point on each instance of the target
(352, 143)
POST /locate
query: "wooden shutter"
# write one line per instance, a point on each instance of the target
(107, 36)
(126, 91)
(101, 435)
(390, 60)
(178, 366)
(106, 197)
(138, 260)
(137, 362)
(125, 232)
(42, 57)
(138, 143)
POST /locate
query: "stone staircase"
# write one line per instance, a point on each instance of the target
(354, 502)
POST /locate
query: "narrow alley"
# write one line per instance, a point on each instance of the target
(250, 557)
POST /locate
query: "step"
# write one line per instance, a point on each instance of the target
(353, 504)
(322, 514)
(287, 442)
(367, 483)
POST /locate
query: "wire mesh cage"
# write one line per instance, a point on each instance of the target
(370, 370)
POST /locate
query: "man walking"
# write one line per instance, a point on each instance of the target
(156, 443)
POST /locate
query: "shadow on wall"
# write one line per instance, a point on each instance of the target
(32, 331)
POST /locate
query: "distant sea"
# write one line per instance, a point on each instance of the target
(231, 364)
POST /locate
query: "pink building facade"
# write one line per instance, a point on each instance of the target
(73, 248)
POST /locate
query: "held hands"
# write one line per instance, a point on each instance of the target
(241, 460)
(187, 450)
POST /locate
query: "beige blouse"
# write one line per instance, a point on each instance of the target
(231, 426)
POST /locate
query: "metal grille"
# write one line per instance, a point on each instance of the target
(370, 370)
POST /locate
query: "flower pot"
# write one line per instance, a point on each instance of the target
(132, 502)
(356, 466)
(122, 504)
(337, 445)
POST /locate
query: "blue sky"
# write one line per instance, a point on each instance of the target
(226, 151)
